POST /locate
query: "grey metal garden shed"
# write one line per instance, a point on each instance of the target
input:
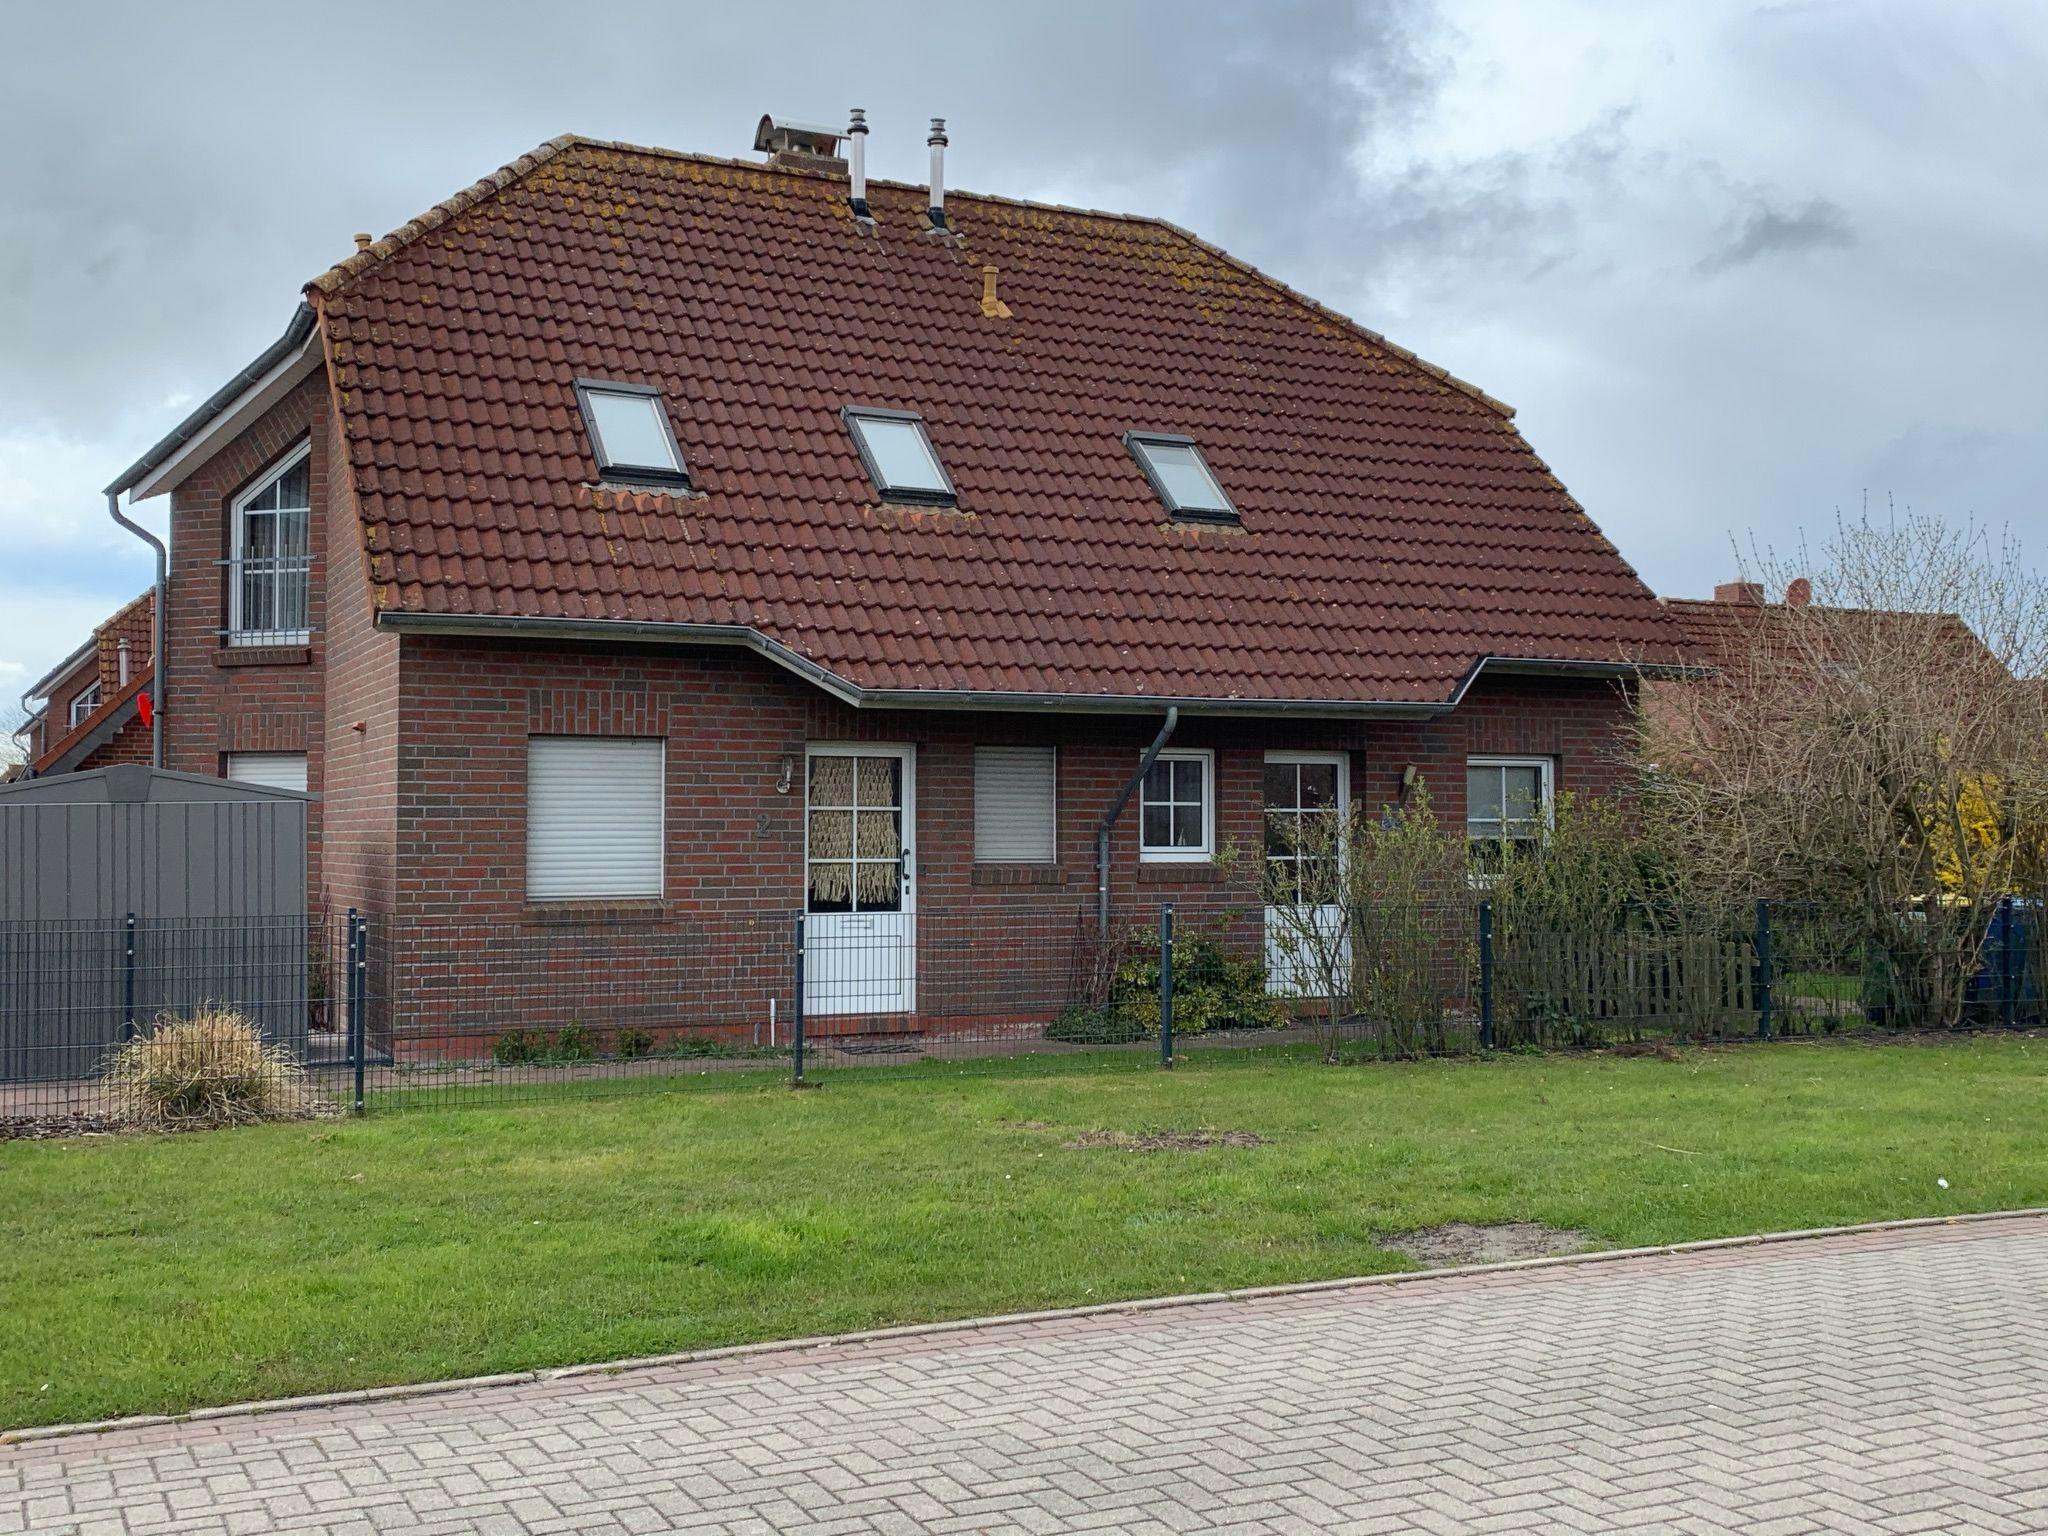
(129, 891)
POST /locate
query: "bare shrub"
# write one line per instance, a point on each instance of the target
(209, 1069)
(1370, 921)
(1873, 753)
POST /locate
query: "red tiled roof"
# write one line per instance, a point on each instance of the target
(1717, 630)
(1396, 527)
(135, 623)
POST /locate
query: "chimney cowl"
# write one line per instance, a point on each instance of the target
(1750, 592)
(806, 146)
(936, 207)
(857, 162)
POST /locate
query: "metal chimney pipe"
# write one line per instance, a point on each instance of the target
(937, 141)
(857, 162)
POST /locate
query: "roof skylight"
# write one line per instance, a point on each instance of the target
(1181, 477)
(898, 455)
(630, 433)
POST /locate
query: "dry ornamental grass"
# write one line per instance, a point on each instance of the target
(210, 1069)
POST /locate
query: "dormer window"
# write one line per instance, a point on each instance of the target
(83, 706)
(630, 434)
(898, 455)
(1180, 477)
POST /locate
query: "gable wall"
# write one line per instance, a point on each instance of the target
(220, 699)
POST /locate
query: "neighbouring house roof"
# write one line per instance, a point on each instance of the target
(1717, 629)
(1397, 529)
(134, 622)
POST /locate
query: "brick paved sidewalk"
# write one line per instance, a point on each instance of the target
(1890, 1382)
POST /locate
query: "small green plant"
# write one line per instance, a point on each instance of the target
(516, 1047)
(574, 1042)
(632, 1044)
(1082, 1025)
(1212, 989)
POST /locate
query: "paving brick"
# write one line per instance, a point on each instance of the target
(1827, 1386)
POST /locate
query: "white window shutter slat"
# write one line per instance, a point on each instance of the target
(593, 817)
(1015, 805)
(272, 770)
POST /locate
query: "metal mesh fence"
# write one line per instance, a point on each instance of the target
(102, 1020)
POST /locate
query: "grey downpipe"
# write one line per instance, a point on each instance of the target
(162, 603)
(1108, 821)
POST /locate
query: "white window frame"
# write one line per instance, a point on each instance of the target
(660, 890)
(1052, 857)
(1547, 770)
(82, 706)
(1147, 854)
(1341, 761)
(238, 530)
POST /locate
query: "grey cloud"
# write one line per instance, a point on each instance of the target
(1765, 231)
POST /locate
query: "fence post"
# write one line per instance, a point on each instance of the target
(128, 1030)
(2008, 1001)
(1764, 976)
(1166, 985)
(358, 965)
(1486, 975)
(796, 1013)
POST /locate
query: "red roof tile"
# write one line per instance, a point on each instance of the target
(1396, 527)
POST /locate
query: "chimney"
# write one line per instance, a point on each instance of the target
(857, 158)
(1750, 592)
(937, 140)
(1798, 592)
(799, 146)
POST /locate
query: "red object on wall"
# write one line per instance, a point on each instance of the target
(145, 706)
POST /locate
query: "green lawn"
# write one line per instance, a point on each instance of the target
(159, 1273)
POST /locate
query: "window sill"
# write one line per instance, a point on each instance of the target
(263, 656)
(1181, 872)
(1018, 874)
(624, 911)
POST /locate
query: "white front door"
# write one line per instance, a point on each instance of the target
(860, 950)
(1307, 795)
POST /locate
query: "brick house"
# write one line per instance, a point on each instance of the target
(86, 711)
(676, 541)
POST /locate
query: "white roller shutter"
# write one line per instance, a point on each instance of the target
(273, 770)
(1015, 805)
(593, 817)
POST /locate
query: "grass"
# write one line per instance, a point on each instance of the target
(160, 1273)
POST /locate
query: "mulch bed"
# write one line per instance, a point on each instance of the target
(50, 1127)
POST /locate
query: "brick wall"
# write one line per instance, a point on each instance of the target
(130, 745)
(359, 733)
(219, 698)
(734, 845)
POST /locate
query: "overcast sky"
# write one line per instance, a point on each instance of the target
(1736, 265)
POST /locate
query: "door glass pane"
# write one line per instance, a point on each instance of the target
(831, 885)
(1318, 785)
(1280, 787)
(831, 834)
(879, 887)
(880, 780)
(832, 781)
(880, 837)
